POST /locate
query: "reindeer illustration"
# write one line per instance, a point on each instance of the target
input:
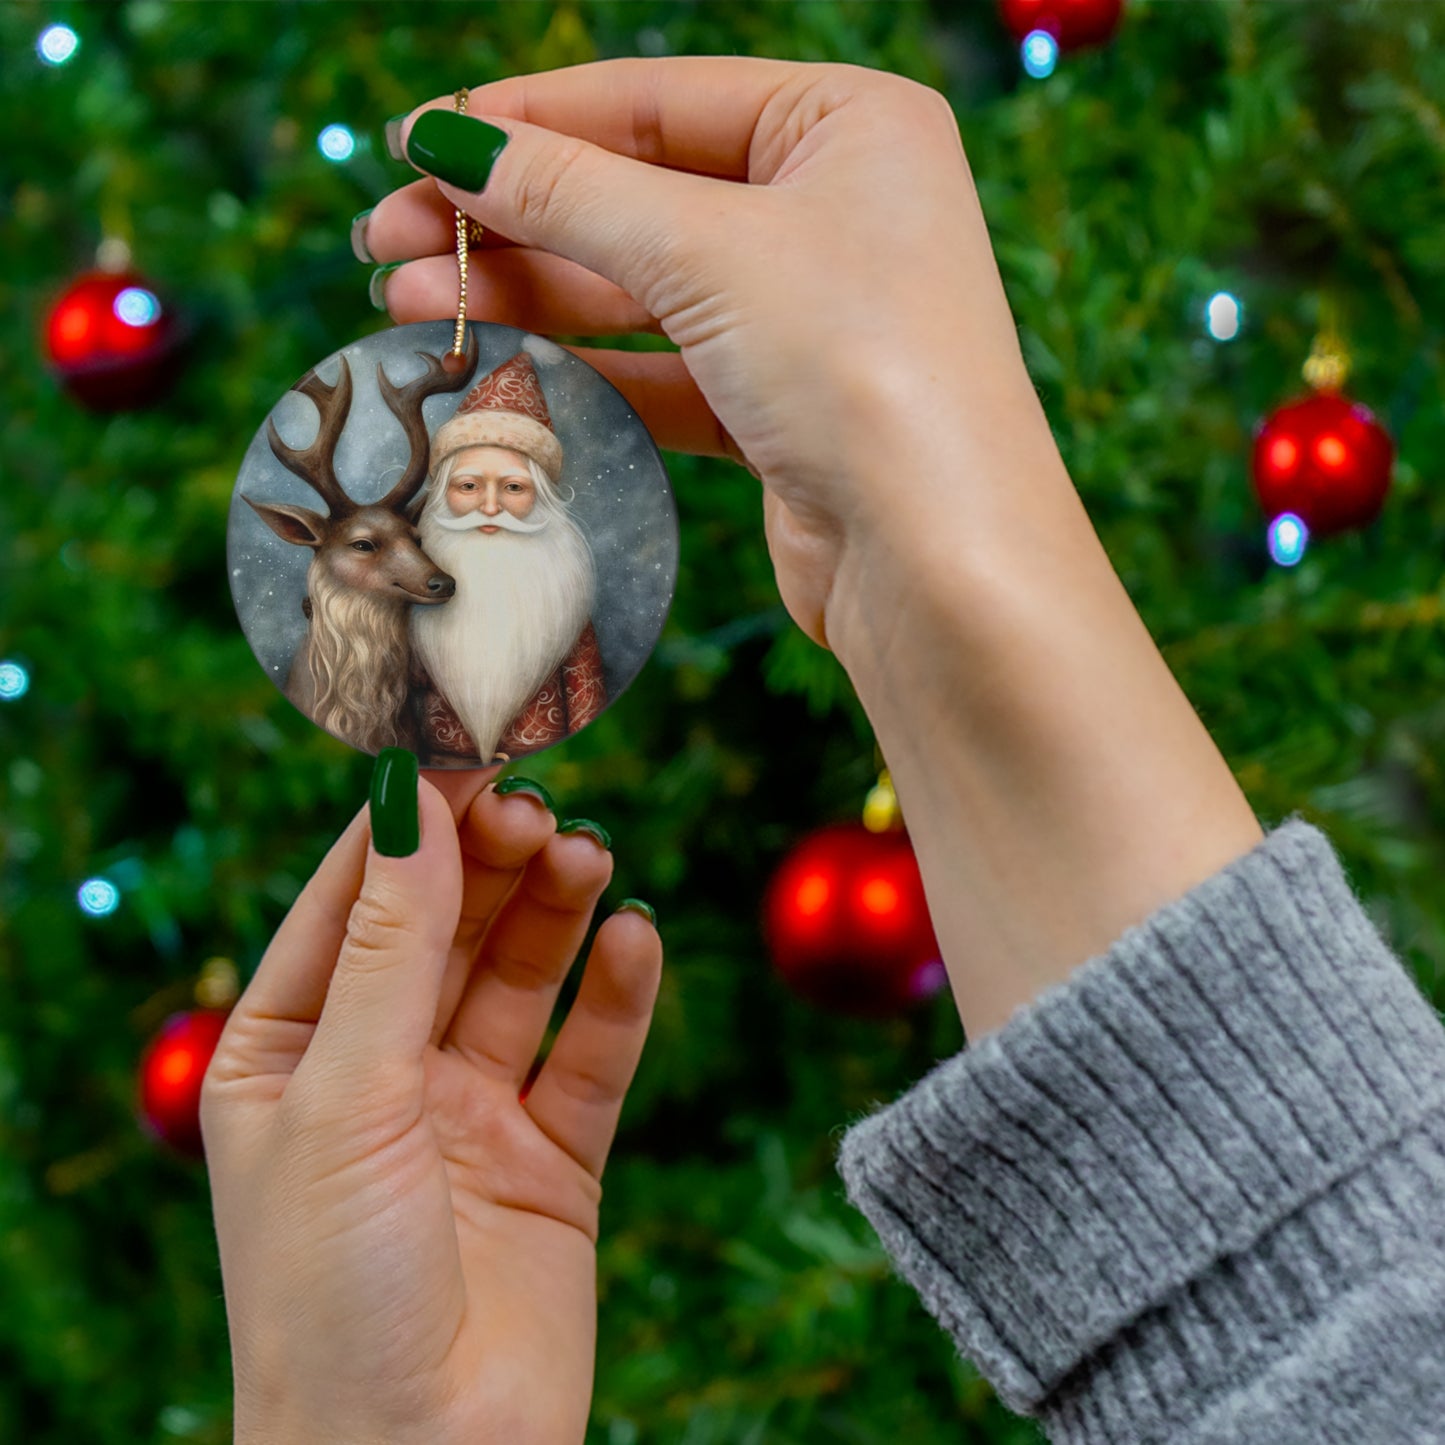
(350, 674)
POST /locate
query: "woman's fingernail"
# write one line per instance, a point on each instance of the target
(586, 825)
(395, 821)
(393, 137)
(515, 784)
(636, 905)
(455, 148)
(376, 289)
(359, 247)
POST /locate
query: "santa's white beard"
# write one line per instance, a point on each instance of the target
(521, 603)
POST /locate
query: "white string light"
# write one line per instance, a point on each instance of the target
(1040, 53)
(1223, 316)
(14, 681)
(336, 143)
(57, 44)
(98, 897)
(1288, 538)
(137, 307)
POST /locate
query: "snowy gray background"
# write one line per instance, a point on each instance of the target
(623, 498)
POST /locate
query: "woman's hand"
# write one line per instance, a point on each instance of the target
(408, 1246)
(809, 236)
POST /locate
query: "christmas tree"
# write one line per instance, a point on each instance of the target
(1179, 214)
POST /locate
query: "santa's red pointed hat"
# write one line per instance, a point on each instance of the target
(505, 408)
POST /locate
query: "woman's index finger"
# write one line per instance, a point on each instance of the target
(695, 113)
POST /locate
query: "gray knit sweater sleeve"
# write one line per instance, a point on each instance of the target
(1196, 1192)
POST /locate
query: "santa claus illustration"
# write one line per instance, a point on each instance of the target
(511, 662)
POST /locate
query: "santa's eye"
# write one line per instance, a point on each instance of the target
(363, 545)
(515, 487)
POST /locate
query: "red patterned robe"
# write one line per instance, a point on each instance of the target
(567, 701)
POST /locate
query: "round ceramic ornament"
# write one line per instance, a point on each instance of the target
(468, 550)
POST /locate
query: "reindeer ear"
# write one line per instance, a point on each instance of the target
(415, 506)
(292, 524)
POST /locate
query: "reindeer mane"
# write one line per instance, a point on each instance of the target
(358, 656)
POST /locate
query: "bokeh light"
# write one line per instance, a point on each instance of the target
(1040, 53)
(879, 897)
(98, 897)
(177, 1066)
(137, 307)
(14, 681)
(1288, 538)
(812, 895)
(1282, 454)
(336, 143)
(1223, 316)
(57, 44)
(930, 977)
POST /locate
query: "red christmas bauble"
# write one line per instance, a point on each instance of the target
(1073, 23)
(171, 1072)
(1324, 458)
(847, 924)
(112, 341)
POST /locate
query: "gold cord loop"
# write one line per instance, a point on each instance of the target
(468, 231)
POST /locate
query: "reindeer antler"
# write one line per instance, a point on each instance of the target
(406, 402)
(316, 464)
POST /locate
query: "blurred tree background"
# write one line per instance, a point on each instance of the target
(1286, 153)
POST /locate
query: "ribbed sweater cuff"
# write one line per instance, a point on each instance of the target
(1142, 1165)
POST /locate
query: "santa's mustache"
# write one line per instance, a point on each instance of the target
(470, 520)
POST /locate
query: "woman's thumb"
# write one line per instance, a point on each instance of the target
(382, 1000)
(623, 219)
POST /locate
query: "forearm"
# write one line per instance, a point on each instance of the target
(1056, 782)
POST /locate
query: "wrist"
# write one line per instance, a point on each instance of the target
(1057, 784)
(946, 512)
(261, 1429)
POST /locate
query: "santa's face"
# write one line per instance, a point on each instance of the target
(524, 589)
(490, 480)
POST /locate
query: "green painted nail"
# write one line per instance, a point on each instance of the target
(636, 905)
(586, 825)
(395, 824)
(359, 247)
(455, 148)
(377, 287)
(532, 789)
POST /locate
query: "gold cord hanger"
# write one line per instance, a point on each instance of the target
(469, 233)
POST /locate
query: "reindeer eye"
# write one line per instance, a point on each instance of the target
(363, 546)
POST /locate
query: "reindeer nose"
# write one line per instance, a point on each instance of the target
(441, 585)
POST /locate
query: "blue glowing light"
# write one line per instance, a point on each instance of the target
(137, 307)
(1288, 538)
(14, 681)
(57, 44)
(1040, 53)
(1223, 316)
(336, 143)
(98, 897)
